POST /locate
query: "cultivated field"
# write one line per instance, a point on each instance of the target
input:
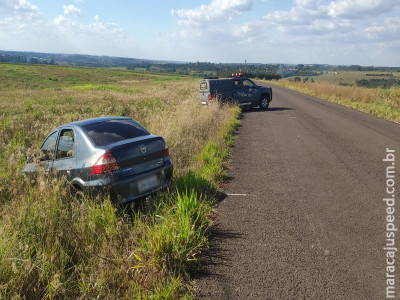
(350, 77)
(340, 88)
(54, 246)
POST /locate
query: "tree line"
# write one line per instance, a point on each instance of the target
(6, 58)
(199, 69)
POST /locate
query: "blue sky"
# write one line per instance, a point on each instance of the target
(363, 32)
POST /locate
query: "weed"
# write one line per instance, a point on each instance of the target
(178, 236)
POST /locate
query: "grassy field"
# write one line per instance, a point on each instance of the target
(350, 77)
(54, 246)
(338, 88)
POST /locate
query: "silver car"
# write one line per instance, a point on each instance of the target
(113, 154)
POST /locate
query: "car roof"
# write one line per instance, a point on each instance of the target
(82, 123)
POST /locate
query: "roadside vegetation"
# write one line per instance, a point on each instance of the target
(53, 246)
(344, 88)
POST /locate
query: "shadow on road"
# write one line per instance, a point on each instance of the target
(250, 110)
(216, 255)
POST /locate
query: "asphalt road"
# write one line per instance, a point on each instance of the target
(304, 216)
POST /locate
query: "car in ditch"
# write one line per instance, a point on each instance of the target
(238, 89)
(116, 155)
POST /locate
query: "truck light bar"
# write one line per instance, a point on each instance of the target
(240, 74)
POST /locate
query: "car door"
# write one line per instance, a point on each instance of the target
(64, 163)
(251, 92)
(238, 91)
(48, 151)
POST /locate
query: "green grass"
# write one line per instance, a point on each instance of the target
(53, 246)
(93, 87)
(37, 77)
(170, 78)
(350, 77)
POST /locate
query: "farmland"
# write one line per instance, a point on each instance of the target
(351, 77)
(55, 246)
(341, 88)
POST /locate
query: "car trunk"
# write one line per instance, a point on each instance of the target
(137, 156)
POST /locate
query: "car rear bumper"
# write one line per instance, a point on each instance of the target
(127, 189)
(203, 98)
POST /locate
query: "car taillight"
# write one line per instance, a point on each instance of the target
(209, 97)
(166, 150)
(106, 163)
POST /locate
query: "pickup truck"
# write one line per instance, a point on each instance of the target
(238, 89)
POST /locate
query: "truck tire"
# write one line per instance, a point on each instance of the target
(264, 102)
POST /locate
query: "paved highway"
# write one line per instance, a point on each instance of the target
(304, 216)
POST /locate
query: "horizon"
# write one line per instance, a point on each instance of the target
(193, 62)
(338, 32)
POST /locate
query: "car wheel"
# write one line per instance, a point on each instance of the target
(264, 102)
(76, 192)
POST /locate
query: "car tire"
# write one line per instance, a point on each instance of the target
(264, 102)
(76, 192)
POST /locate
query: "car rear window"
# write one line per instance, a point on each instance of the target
(203, 85)
(112, 131)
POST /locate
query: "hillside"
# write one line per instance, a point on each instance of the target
(255, 70)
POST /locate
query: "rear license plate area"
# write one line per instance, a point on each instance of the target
(147, 184)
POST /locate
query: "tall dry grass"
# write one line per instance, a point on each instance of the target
(384, 103)
(54, 246)
(169, 109)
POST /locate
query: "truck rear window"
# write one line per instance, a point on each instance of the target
(109, 132)
(203, 85)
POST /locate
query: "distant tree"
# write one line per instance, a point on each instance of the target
(300, 67)
(34, 60)
(378, 82)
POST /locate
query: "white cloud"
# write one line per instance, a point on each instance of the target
(63, 34)
(310, 31)
(322, 18)
(99, 29)
(307, 12)
(344, 30)
(218, 23)
(360, 9)
(105, 27)
(216, 12)
(388, 31)
(71, 10)
(249, 32)
(18, 7)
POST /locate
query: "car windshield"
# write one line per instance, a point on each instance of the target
(112, 131)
